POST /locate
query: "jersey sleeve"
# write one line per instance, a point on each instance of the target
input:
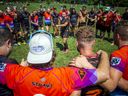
(84, 77)
(7, 74)
(10, 74)
(117, 62)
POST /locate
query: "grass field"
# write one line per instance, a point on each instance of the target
(62, 59)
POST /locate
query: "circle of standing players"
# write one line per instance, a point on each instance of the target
(64, 23)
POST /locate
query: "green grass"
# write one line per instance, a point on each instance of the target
(62, 59)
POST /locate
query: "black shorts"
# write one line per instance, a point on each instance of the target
(55, 22)
(107, 28)
(40, 24)
(35, 27)
(91, 23)
(16, 29)
(74, 24)
(98, 26)
(25, 26)
(64, 33)
(82, 24)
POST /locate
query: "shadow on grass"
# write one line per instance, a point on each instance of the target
(60, 46)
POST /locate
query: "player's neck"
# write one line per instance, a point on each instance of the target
(123, 43)
(41, 66)
(87, 51)
(2, 51)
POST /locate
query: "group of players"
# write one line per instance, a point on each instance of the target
(21, 22)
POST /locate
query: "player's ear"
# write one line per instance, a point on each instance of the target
(8, 43)
(76, 43)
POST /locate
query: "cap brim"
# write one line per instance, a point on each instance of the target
(39, 59)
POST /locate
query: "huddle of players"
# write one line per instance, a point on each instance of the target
(16, 20)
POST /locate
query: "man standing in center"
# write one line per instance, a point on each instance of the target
(64, 20)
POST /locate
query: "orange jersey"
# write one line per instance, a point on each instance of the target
(27, 81)
(119, 60)
(47, 16)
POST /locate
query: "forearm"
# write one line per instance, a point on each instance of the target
(76, 93)
(113, 81)
(123, 84)
(103, 68)
(8, 26)
(109, 85)
(62, 25)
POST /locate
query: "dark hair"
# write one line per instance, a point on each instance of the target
(122, 29)
(85, 34)
(4, 36)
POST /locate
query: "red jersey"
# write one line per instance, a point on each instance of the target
(100, 18)
(27, 81)
(109, 17)
(34, 19)
(117, 18)
(2, 21)
(119, 60)
(9, 20)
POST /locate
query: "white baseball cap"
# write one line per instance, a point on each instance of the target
(40, 48)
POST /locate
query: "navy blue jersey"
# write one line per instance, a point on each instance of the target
(16, 22)
(25, 16)
(73, 18)
(55, 17)
(92, 15)
(64, 20)
(40, 16)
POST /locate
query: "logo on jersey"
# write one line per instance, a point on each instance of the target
(39, 95)
(43, 79)
(81, 73)
(2, 67)
(115, 61)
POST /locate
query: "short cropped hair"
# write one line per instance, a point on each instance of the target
(122, 30)
(85, 34)
(4, 36)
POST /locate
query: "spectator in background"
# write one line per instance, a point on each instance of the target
(107, 18)
(40, 18)
(64, 28)
(91, 18)
(116, 20)
(64, 10)
(5, 48)
(125, 14)
(40, 78)
(25, 22)
(83, 16)
(99, 23)
(73, 20)
(2, 20)
(47, 19)
(55, 21)
(34, 21)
